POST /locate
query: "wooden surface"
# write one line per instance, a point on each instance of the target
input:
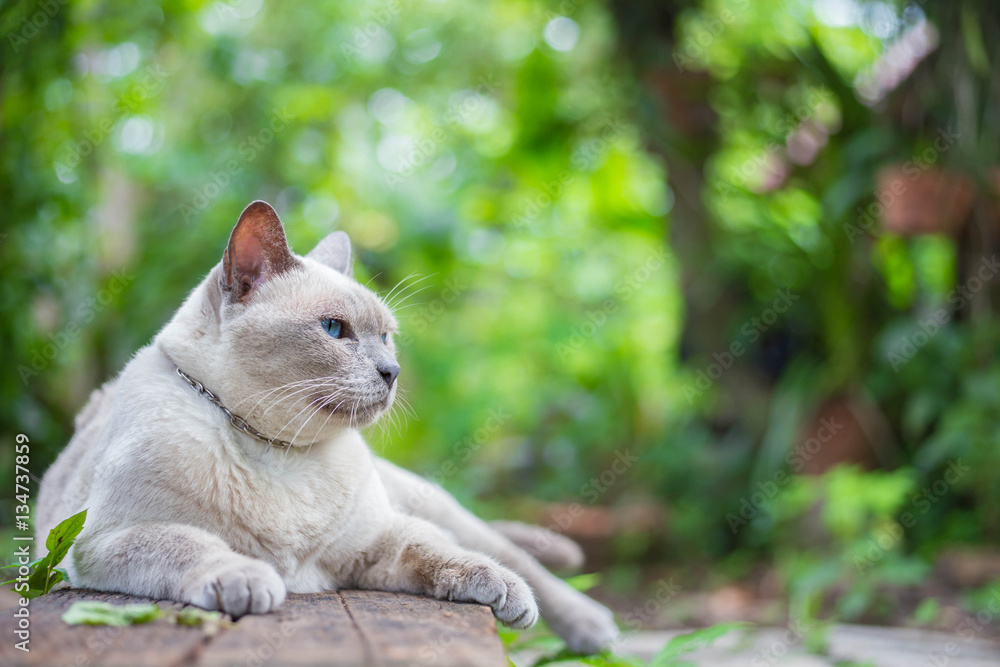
(337, 628)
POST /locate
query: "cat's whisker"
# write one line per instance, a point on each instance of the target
(399, 422)
(300, 390)
(287, 387)
(409, 305)
(283, 386)
(280, 399)
(387, 296)
(325, 403)
(400, 300)
(266, 391)
(287, 384)
(405, 403)
(393, 421)
(401, 296)
(288, 423)
(354, 408)
(319, 407)
(337, 407)
(319, 404)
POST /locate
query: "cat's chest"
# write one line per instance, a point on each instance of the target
(297, 507)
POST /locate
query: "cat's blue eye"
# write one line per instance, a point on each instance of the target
(384, 336)
(333, 327)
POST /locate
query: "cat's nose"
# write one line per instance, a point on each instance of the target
(389, 372)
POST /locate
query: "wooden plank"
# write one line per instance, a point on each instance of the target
(306, 630)
(334, 628)
(55, 643)
(407, 630)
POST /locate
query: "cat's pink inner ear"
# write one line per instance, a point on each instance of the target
(257, 251)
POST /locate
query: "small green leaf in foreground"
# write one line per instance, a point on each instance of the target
(45, 575)
(584, 582)
(195, 616)
(101, 613)
(692, 641)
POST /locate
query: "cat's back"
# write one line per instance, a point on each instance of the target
(66, 485)
(111, 419)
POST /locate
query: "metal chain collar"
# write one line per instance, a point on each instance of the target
(238, 422)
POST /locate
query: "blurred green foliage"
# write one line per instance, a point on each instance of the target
(582, 205)
(501, 180)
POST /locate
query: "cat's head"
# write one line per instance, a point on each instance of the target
(307, 350)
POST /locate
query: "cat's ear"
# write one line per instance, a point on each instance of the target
(257, 252)
(335, 252)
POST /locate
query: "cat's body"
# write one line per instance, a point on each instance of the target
(182, 505)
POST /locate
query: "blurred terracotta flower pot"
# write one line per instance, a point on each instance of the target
(918, 199)
(843, 429)
(994, 181)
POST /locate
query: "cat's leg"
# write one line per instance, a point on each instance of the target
(414, 556)
(554, 551)
(586, 625)
(176, 562)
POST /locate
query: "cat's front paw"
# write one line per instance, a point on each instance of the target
(487, 583)
(237, 588)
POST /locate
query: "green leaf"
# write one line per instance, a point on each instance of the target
(61, 537)
(195, 616)
(209, 621)
(45, 575)
(692, 641)
(584, 582)
(55, 576)
(927, 612)
(102, 613)
(41, 575)
(566, 658)
(507, 636)
(31, 564)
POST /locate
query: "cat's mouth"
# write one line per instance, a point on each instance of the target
(357, 411)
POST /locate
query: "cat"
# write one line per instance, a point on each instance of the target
(224, 466)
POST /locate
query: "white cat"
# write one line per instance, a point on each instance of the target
(223, 466)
